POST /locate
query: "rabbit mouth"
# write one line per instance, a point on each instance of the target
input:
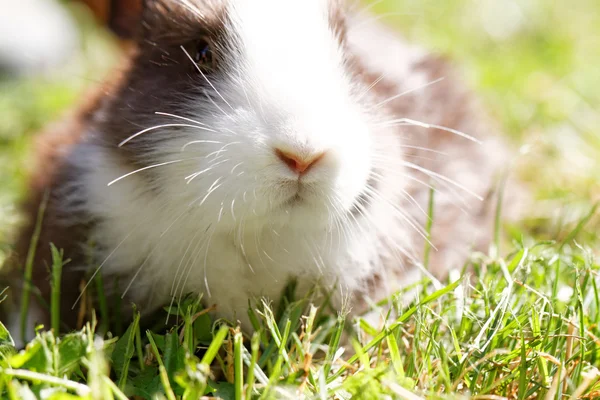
(301, 202)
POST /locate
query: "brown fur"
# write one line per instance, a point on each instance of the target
(49, 173)
(122, 16)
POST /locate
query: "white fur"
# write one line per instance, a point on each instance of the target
(231, 232)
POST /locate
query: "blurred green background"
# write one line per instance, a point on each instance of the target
(534, 63)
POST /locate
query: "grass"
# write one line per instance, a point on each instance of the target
(520, 322)
(504, 329)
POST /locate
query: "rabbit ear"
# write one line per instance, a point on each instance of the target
(121, 16)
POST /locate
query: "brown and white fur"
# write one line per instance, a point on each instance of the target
(172, 180)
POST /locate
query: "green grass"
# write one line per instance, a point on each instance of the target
(504, 329)
(520, 323)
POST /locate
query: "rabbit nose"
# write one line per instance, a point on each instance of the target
(298, 163)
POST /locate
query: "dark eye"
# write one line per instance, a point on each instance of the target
(203, 55)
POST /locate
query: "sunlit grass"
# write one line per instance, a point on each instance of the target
(521, 326)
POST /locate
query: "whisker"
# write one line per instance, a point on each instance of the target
(205, 78)
(109, 256)
(403, 154)
(179, 117)
(91, 279)
(189, 246)
(213, 163)
(345, 222)
(190, 268)
(199, 141)
(193, 256)
(138, 272)
(190, 178)
(313, 256)
(205, 269)
(410, 255)
(214, 103)
(384, 102)
(416, 157)
(153, 128)
(338, 225)
(380, 178)
(331, 219)
(258, 253)
(144, 169)
(446, 186)
(214, 184)
(222, 149)
(424, 149)
(407, 121)
(222, 209)
(442, 177)
(234, 168)
(209, 193)
(243, 86)
(371, 86)
(406, 218)
(232, 207)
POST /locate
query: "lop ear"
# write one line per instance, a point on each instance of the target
(121, 16)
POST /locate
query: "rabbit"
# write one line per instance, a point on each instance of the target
(246, 143)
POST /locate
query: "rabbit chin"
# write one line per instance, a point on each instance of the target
(313, 213)
(304, 211)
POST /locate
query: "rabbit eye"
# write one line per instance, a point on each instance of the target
(203, 54)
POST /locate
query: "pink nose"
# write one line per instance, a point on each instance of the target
(298, 163)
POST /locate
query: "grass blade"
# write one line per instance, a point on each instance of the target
(238, 365)
(254, 346)
(57, 266)
(27, 278)
(164, 378)
(125, 352)
(428, 227)
(215, 345)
